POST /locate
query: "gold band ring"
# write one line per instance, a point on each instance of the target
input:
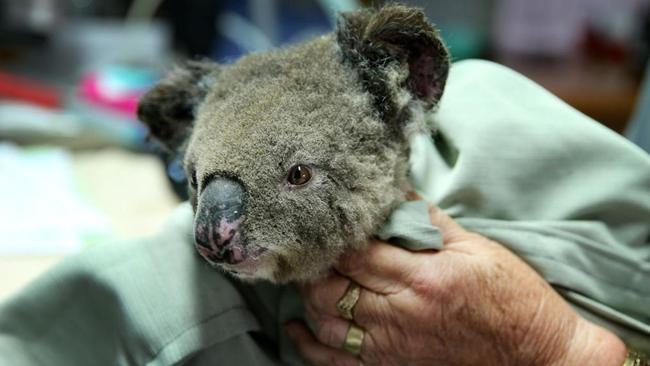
(354, 339)
(348, 301)
(634, 358)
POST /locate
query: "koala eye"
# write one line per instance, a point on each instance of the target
(192, 179)
(299, 175)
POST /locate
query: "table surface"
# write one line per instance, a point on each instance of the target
(131, 189)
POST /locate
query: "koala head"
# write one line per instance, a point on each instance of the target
(296, 155)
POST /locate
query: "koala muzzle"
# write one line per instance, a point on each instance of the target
(219, 213)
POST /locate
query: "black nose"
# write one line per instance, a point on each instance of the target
(220, 211)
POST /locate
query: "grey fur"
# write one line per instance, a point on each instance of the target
(341, 104)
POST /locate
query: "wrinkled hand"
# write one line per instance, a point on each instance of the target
(471, 303)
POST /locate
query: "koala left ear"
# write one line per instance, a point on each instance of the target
(168, 108)
(394, 49)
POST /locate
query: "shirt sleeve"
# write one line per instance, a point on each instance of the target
(568, 195)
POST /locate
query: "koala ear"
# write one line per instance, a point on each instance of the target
(394, 50)
(168, 108)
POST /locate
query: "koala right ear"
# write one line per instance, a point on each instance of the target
(398, 55)
(168, 109)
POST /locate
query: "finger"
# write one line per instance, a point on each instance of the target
(320, 299)
(451, 230)
(381, 267)
(315, 353)
(331, 331)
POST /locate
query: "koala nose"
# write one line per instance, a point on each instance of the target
(216, 226)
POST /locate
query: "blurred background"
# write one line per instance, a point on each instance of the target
(76, 168)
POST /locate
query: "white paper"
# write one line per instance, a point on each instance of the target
(41, 211)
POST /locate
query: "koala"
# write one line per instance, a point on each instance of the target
(297, 155)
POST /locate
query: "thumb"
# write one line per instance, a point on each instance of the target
(451, 230)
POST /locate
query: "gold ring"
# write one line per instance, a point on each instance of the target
(354, 339)
(634, 358)
(348, 301)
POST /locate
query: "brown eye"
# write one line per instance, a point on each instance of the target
(299, 175)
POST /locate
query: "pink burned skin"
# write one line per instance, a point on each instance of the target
(222, 238)
(223, 241)
(227, 230)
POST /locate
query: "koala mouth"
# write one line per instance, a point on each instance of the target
(242, 260)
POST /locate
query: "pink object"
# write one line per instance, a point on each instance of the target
(556, 27)
(122, 101)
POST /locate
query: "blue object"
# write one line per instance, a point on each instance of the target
(254, 25)
(638, 130)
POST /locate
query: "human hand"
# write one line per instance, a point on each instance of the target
(471, 303)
